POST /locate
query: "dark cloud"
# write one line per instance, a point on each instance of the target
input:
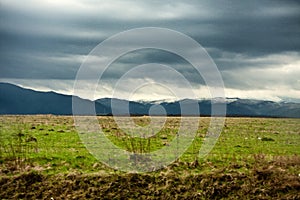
(140, 57)
(49, 40)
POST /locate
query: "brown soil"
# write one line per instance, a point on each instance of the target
(260, 183)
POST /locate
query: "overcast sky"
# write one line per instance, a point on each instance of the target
(255, 44)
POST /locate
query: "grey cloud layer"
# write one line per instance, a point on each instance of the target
(49, 39)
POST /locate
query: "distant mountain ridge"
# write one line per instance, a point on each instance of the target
(18, 100)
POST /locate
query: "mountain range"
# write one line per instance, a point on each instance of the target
(18, 100)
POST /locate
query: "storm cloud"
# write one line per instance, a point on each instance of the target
(255, 44)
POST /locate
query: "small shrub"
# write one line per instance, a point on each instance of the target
(267, 139)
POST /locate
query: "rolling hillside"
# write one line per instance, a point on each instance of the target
(17, 100)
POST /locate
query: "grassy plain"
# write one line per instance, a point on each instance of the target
(42, 156)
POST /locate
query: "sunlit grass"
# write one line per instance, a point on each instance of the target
(53, 143)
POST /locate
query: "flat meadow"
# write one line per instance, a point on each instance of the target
(43, 157)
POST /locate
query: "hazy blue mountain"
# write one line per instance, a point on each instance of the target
(121, 106)
(263, 108)
(17, 100)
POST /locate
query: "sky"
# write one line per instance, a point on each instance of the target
(255, 45)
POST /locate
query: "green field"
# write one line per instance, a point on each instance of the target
(42, 156)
